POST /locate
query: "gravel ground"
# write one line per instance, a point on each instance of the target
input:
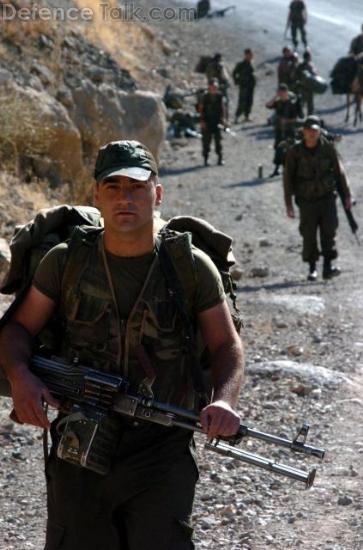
(291, 327)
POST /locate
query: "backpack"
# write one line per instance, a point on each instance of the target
(80, 224)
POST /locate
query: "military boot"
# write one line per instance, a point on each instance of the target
(206, 162)
(312, 275)
(330, 271)
(220, 160)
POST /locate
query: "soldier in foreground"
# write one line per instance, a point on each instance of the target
(313, 172)
(244, 77)
(121, 318)
(213, 112)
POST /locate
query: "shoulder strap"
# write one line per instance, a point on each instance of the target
(79, 246)
(166, 246)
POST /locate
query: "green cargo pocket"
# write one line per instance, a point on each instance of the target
(54, 536)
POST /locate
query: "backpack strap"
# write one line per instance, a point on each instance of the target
(166, 247)
(80, 243)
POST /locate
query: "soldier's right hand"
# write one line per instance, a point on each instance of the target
(290, 212)
(29, 393)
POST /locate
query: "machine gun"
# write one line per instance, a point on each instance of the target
(89, 398)
(220, 13)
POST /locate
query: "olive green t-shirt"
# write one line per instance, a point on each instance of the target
(128, 277)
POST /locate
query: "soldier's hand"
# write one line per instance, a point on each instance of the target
(290, 212)
(348, 202)
(219, 419)
(29, 393)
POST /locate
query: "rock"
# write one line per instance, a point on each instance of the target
(5, 77)
(259, 271)
(4, 257)
(295, 350)
(345, 501)
(103, 114)
(301, 390)
(46, 76)
(64, 95)
(238, 218)
(264, 243)
(321, 376)
(280, 323)
(303, 305)
(47, 130)
(236, 273)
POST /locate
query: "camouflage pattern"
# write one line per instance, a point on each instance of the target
(148, 349)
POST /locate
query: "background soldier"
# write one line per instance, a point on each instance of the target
(306, 93)
(297, 18)
(287, 110)
(212, 120)
(203, 8)
(216, 69)
(244, 77)
(313, 171)
(120, 306)
(356, 46)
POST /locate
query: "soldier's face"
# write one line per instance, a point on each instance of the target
(311, 136)
(127, 204)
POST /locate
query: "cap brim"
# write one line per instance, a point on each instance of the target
(313, 127)
(133, 172)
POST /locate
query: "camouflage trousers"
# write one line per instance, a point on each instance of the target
(144, 503)
(319, 217)
(209, 133)
(245, 101)
(295, 27)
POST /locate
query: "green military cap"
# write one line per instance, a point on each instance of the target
(312, 122)
(125, 158)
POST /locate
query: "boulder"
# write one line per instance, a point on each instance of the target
(4, 257)
(104, 114)
(46, 132)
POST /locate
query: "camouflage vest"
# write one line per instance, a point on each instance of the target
(148, 349)
(315, 175)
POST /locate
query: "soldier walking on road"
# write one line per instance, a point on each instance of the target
(212, 110)
(306, 93)
(287, 108)
(313, 173)
(297, 18)
(244, 77)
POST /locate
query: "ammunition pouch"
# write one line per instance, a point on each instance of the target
(88, 439)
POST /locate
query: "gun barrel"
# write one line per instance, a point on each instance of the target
(256, 460)
(281, 442)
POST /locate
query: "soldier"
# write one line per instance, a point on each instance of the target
(212, 111)
(297, 18)
(312, 173)
(120, 303)
(244, 77)
(217, 69)
(287, 71)
(202, 9)
(306, 93)
(287, 110)
(356, 46)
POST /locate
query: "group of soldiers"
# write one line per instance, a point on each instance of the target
(313, 172)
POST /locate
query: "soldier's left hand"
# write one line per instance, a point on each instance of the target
(348, 202)
(219, 419)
